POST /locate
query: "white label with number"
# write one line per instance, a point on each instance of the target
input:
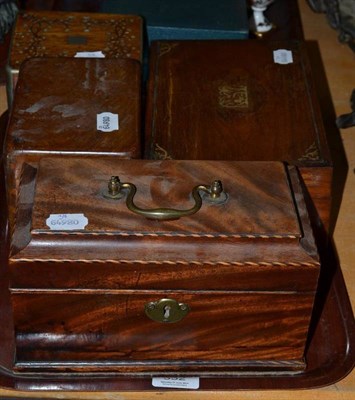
(107, 122)
(89, 54)
(66, 222)
(283, 56)
(177, 383)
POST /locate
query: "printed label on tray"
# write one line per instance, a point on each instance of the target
(89, 54)
(107, 122)
(66, 222)
(178, 383)
(283, 56)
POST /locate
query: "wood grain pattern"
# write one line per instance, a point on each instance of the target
(112, 326)
(95, 281)
(164, 276)
(51, 118)
(258, 225)
(326, 360)
(241, 106)
(259, 198)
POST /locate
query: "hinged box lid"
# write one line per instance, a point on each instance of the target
(61, 104)
(245, 100)
(259, 222)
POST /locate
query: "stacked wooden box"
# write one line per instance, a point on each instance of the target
(184, 248)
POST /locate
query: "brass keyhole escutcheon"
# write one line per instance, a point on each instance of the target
(166, 310)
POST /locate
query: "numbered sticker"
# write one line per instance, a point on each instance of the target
(283, 56)
(107, 122)
(89, 54)
(66, 222)
(179, 383)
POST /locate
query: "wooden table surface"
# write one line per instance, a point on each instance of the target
(339, 65)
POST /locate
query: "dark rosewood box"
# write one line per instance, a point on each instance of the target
(64, 34)
(181, 267)
(61, 107)
(238, 100)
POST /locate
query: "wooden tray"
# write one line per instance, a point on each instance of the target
(330, 353)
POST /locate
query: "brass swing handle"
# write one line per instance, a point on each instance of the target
(117, 190)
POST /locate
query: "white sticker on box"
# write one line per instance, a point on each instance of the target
(66, 222)
(283, 56)
(176, 383)
(107, 122)
(89, 54)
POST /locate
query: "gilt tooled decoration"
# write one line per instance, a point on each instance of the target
(160, 153)
(311, 154)
(238, 92)
(166, 47)
(233, 96)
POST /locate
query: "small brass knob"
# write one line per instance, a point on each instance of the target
(216, 193)
(216, 189)
(114, 187)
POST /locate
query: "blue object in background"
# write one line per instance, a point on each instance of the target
(187, 19)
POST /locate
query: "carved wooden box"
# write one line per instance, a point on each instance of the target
(64, 34)
(66, 106)
(101, 281)
(238, 100)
